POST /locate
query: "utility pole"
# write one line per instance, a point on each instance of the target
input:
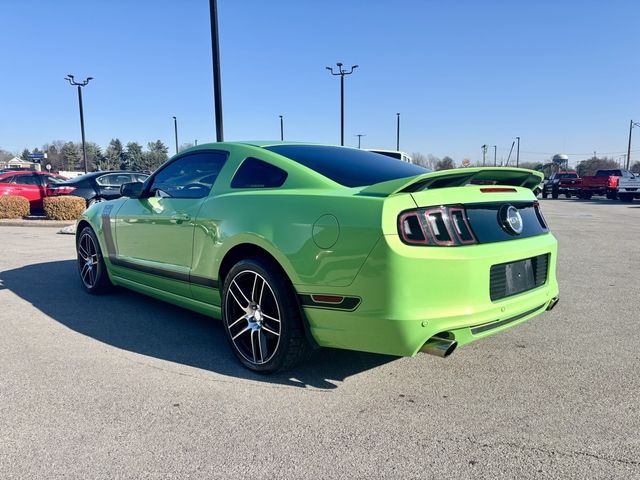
(398, 133)
(217, 83)
(342, 73)
(495, 153)
(359, 135)
(175, 131)
(72, 82)
(281, 128)
(484, 154)
(510, 151)
(631, 125)
(518, 153)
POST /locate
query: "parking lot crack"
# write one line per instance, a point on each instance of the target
(551, 452)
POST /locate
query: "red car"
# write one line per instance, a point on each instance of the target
(28, 184)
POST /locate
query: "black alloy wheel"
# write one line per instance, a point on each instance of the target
(262, 318)
(91, 267)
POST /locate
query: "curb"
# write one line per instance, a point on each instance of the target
(35, 223)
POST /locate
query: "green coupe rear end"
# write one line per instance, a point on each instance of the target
(296, 246)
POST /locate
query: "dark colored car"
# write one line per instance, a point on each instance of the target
(97, 186)
(33, 186)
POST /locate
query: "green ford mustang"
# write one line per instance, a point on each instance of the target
(296, 246)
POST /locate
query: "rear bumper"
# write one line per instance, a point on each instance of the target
(411, 293)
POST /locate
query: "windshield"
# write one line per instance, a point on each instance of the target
(350, 167)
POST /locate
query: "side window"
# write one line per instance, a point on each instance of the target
(137, 177)
(26, 180)
(7, 179)
(254, 173)
(191, 176)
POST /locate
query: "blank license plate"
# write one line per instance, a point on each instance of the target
(519, 277)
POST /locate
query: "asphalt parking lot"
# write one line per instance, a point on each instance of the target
(122, 386)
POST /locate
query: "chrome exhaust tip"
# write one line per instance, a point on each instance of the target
(554, 301)
(439, 346)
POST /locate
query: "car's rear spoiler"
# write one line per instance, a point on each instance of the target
(515, 177)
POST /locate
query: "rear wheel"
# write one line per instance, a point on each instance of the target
(91, 267)
(262, 318)
(567, 195)
(554, 193)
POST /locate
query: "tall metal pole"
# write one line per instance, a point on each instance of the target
(84, 145)
(281, 128)
(484, 154)
(217, 83)
(84, 83)
(175, 129)
(342, 73)
(360, 135)
(495, 153)
(398, 132)
(631, 125)
(518, 153)
(510, 151)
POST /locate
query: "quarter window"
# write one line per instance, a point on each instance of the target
(190, 176)
(254, 173)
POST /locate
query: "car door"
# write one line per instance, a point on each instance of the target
(154, 234)
(28, 186)
(108, 185)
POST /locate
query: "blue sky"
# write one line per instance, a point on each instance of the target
(562, 75)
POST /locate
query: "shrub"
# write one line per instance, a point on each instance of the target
(13, 206)
(66, 207)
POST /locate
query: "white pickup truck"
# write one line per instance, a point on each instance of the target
(629, 187)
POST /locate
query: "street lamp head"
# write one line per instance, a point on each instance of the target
(328, 68)
(89, 78)
(339, 64)
(70, 76)
(355, 66)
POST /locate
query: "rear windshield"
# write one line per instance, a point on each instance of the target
(567, 175)
(348, 166)
(608, 173)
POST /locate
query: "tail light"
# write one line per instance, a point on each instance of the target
(53, 191)
(541, 219)
(613, 182)
(438, 226)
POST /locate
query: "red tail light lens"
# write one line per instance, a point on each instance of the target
(438, 226)
(52, 190)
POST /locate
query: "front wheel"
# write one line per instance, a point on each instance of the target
(626, 197)
(91, 267)
(261, 316)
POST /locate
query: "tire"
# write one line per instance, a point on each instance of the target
(612, 195)
(262, 318)
(554, 194)
(626, 197)
(567, 195)
(545, 194)
(91, 267)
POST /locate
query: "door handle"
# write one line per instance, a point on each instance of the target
(180, 217)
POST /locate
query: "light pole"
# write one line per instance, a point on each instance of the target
(484, 154)
(495, 153)
(175, 131)
(217, 83)
(518, 152)
(359, 135)
(631, 125)
(397, 132)
(281, 128)
(342, 73)
(72, 82)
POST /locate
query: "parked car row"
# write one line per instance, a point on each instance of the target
(614, 184)
(93, 187)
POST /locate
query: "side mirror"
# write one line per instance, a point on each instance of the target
(131, 190)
